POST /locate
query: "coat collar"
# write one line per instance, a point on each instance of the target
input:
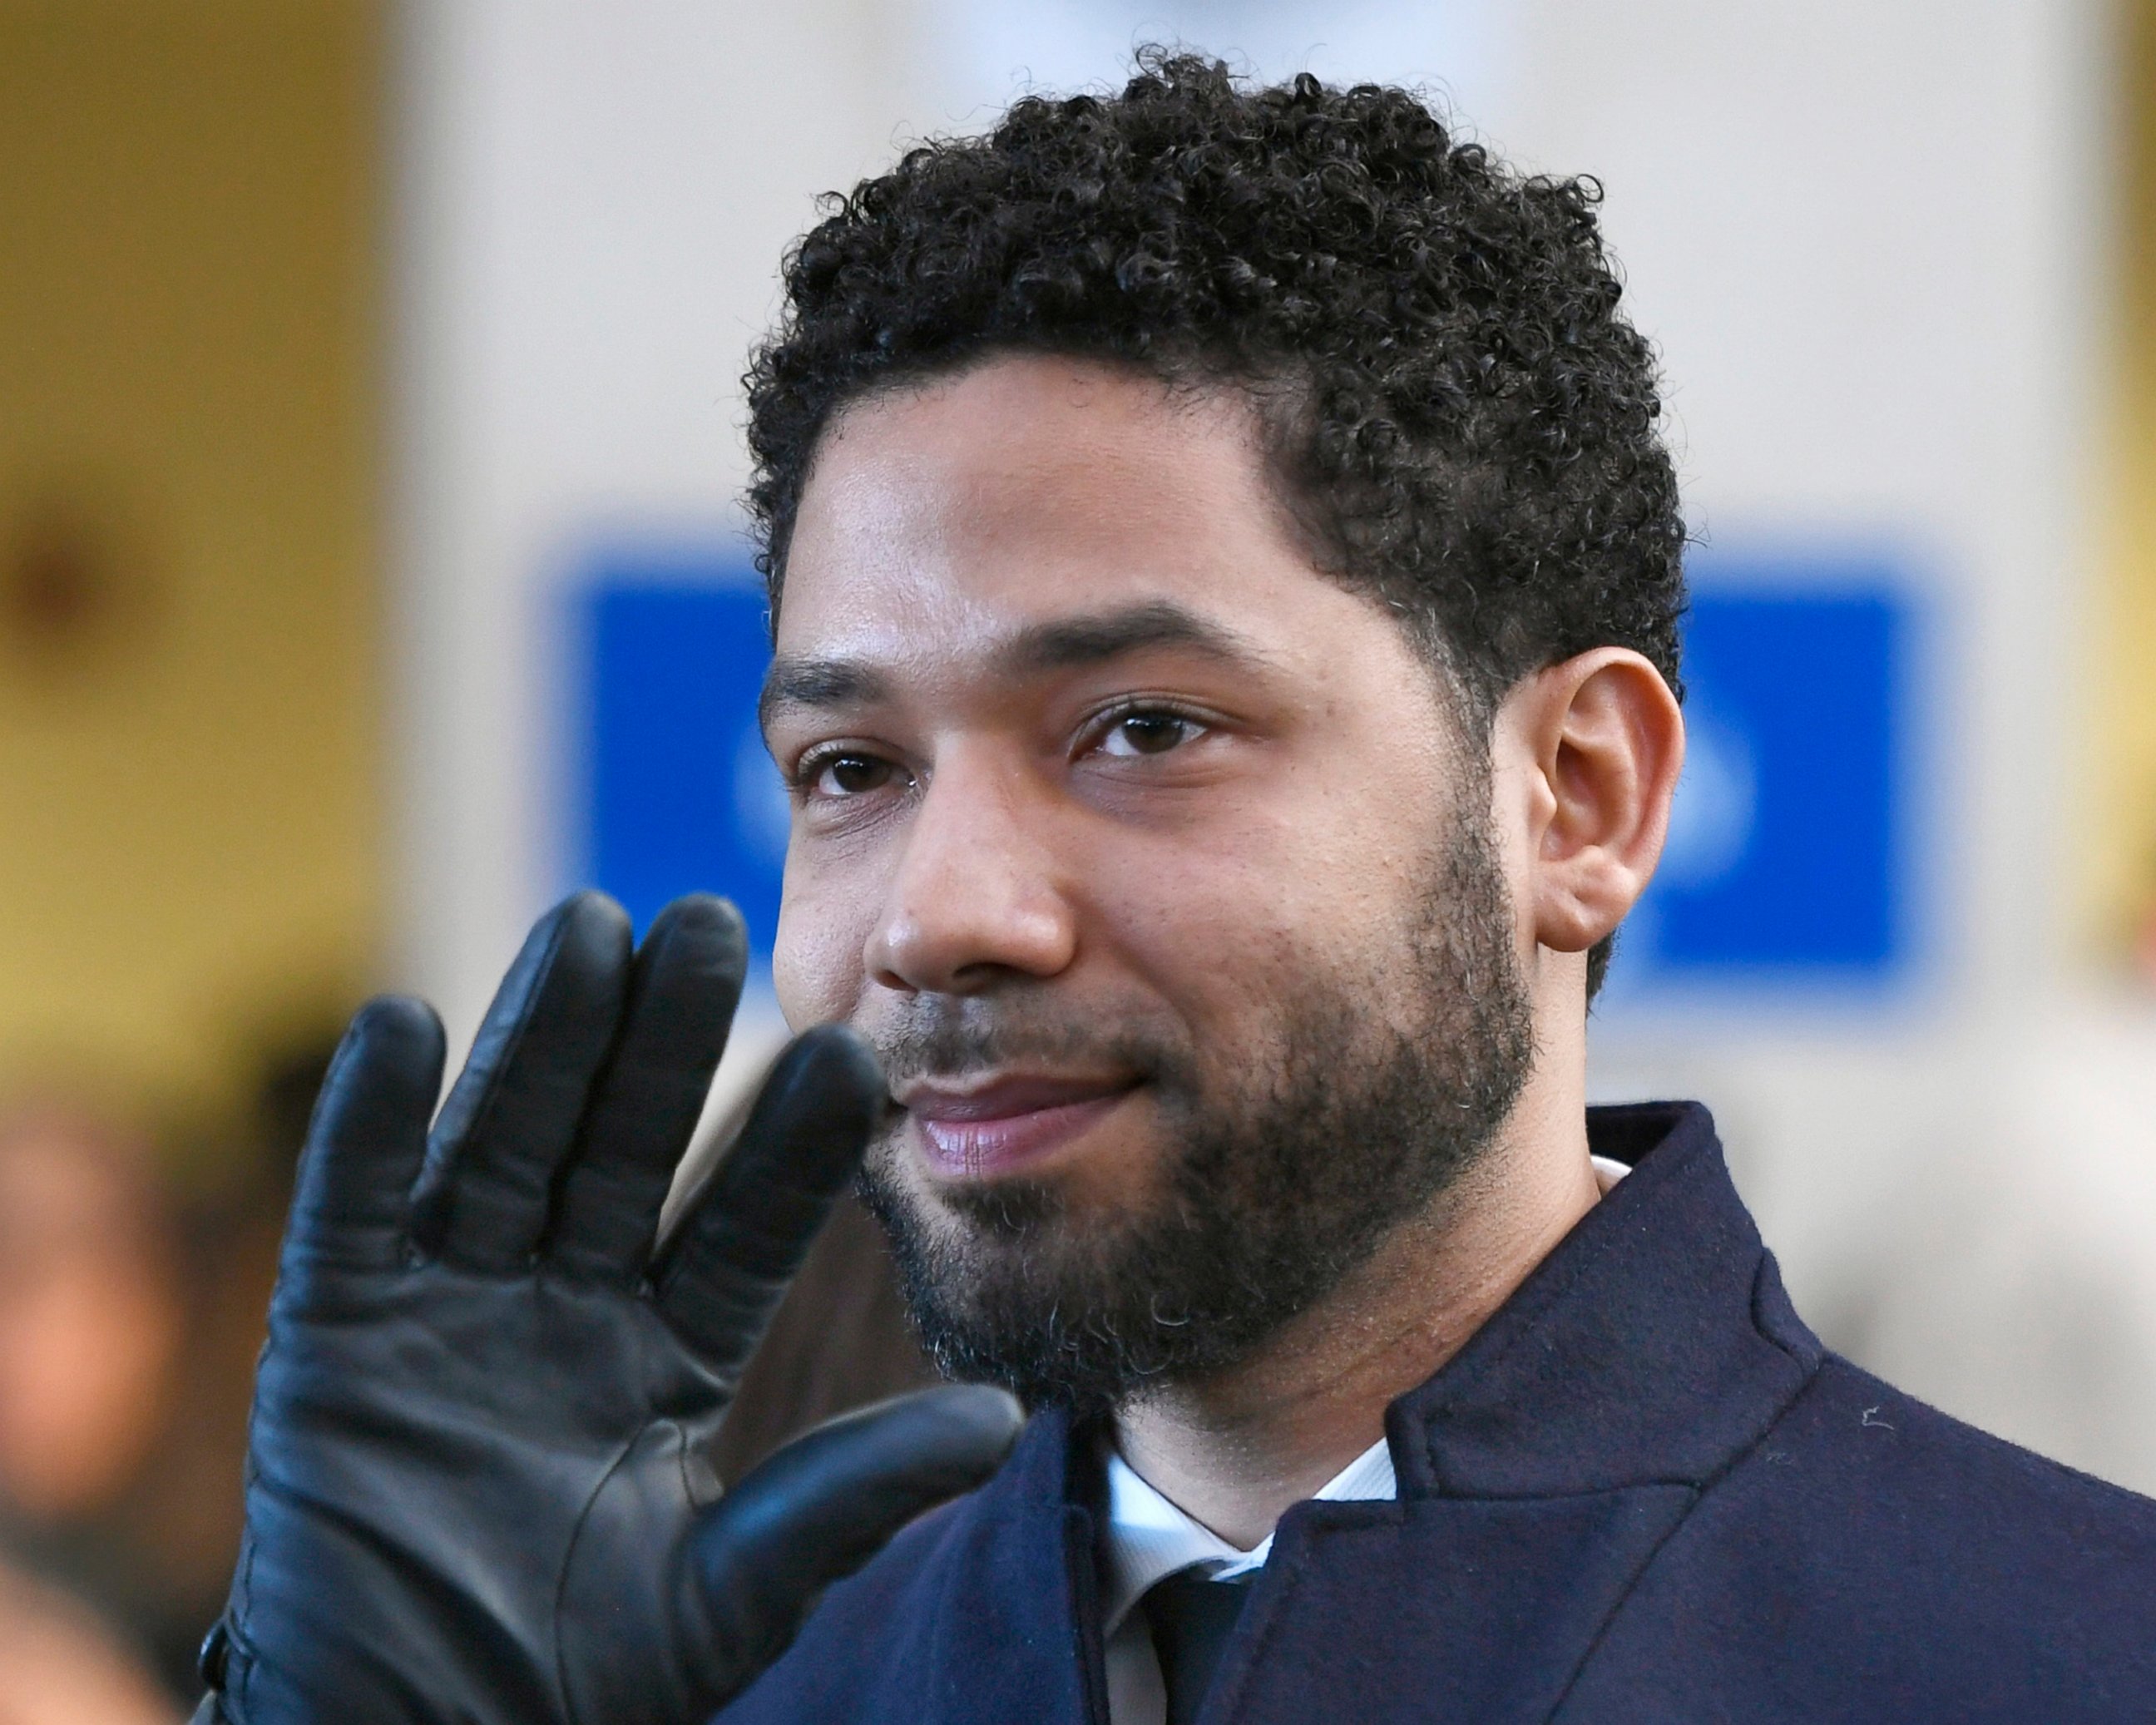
(1653, 1344)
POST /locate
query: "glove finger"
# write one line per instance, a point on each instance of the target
(515, 1111)
(819, 1508)
(352, 1201)
(722, 1274)
(686, 983)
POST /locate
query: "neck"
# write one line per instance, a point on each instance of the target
(1235, 1450)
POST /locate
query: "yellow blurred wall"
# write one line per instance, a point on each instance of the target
(2122, 851)
(190, 822)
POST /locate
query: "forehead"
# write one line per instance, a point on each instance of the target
(1029, 488)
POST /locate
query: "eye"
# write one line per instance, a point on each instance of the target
(845, 775)
(1150, 730)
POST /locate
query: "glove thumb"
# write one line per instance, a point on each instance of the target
(817, 1510)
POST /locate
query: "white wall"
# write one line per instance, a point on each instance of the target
(1868, 238)
(593, 202)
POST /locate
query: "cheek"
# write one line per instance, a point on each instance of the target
(1231, 928)
(816, 967)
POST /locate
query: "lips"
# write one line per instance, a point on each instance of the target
(979, 1132)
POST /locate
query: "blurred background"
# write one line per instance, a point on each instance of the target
(370, 573)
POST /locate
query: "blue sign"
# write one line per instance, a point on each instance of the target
(1788, 862)
(678, 794)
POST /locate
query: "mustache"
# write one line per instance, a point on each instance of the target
(937, 1037)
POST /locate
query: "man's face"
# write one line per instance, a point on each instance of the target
(1151, 861)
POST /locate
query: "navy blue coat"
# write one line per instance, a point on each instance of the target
(1642, 1494)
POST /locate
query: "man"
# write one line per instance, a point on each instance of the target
(1225, 576)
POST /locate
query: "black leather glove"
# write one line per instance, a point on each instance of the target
(476, 1490)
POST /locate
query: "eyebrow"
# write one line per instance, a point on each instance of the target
(817, 684)
(1065, 644)
(1072, 643)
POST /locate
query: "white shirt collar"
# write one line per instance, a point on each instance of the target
(1148, 1538)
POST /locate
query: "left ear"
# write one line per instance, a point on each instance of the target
(1601, 742)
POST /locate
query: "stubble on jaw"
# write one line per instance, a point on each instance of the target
(1382, 1081)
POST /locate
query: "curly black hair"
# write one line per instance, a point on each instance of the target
(1460, 419)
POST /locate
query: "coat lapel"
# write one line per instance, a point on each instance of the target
(1542, 1467)
(1016, 1631)
(1441, 1608)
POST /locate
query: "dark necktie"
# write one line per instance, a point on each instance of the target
(1191, 1618)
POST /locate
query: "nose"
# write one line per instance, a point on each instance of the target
(976, 898)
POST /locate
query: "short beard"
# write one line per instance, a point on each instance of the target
(1284, 1174)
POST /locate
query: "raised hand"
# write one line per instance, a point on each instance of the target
(477, 1487)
